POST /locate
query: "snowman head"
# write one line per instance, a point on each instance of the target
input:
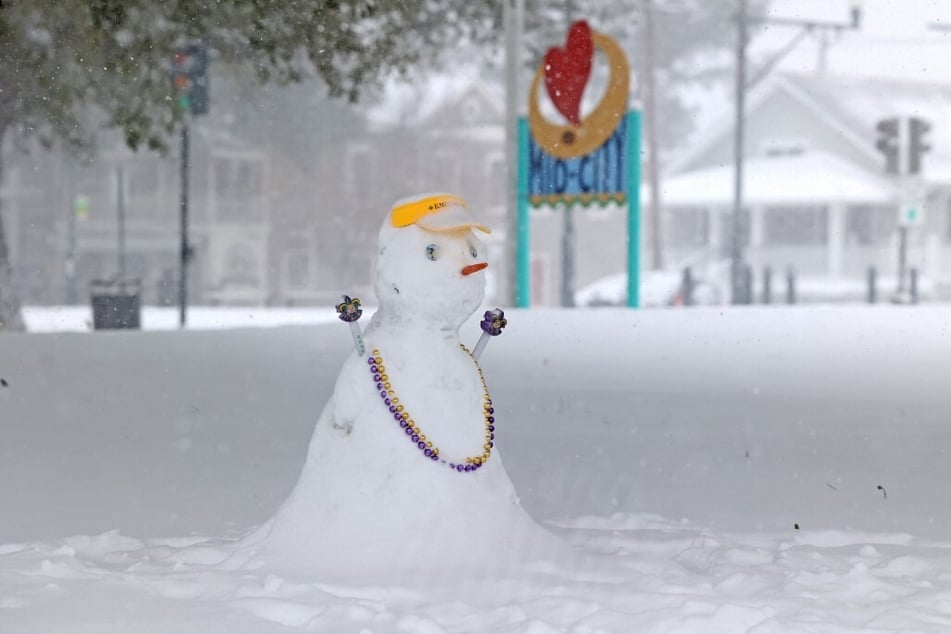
(430, 262)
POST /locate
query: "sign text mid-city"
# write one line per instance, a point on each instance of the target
(600, 176)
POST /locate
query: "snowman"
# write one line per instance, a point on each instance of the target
(402, 475)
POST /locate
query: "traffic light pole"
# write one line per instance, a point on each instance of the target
(903, 141)
(189, 75)
(736, 252)
(120, 223)
(71, 293)
(183, 206)
(902, 261)
(903, 164)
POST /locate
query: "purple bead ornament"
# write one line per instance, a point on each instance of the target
(493, 322)
(412, 431)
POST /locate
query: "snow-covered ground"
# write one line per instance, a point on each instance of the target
(78, 318)
(768, 469)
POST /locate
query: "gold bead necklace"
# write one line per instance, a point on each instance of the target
(411, 428)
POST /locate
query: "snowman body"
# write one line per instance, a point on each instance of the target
(371, 499)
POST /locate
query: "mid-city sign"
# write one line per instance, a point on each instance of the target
(581, 158)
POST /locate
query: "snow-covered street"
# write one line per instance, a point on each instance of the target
(676, 451)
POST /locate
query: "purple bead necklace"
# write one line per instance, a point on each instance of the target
(412, 430)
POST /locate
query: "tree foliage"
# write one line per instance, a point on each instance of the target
(62, 56)
(70, 67)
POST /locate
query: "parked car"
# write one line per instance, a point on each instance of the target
(657, 289)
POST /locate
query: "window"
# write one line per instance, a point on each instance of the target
(239, 185)
(238, 177)
(241, 266)
(298, 268)
(687, 227)
(784, 146)
(495, 178)
(727, 224)
(470, 110)
(142, 178)
(869, 226)
(141, 183)
(795, 226)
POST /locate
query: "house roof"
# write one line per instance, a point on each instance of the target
(417, 102)
(801, 179)
(851, 107)
(858, 104)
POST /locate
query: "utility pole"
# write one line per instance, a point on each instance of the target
(903, 179)
(738, 288)
(513, 12)
(904, 141)
(567, 257)
(822, 53)
(568, 224)
(71, 295)
(653, 150)
(184, 251)
(120, 222)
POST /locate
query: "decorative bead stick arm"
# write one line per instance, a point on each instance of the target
(492, 324)
(349, 311)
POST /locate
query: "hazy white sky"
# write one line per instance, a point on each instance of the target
(894, 39)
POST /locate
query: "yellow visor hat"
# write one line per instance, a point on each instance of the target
(440, 213)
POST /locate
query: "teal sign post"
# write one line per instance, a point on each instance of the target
(576, 182)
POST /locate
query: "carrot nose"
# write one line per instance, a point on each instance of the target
(474, 268)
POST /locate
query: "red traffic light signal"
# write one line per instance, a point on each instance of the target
(189, 74)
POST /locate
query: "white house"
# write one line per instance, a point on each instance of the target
(816, 195)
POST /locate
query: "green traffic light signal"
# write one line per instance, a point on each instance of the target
(189, 74)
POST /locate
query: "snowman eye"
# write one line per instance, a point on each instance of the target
(473, 251)
(432, 252)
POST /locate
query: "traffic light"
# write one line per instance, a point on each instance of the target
(917, 143)
(888, 143)
(190, 78)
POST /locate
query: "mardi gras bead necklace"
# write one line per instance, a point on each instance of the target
(412, 429)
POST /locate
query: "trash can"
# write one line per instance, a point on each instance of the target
(116, 304)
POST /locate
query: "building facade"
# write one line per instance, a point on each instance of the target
(817, 199)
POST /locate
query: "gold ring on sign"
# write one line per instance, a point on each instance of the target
(568, 141)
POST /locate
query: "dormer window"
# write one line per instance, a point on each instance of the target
(783, 146)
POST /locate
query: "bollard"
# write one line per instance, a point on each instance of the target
(686, 287)
(791, 285)
(872, 279)
(914, 285)
(768, 285)
(747, 284)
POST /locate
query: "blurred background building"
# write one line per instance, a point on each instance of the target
(288, 188)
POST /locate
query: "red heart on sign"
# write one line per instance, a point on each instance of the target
(567, 71)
